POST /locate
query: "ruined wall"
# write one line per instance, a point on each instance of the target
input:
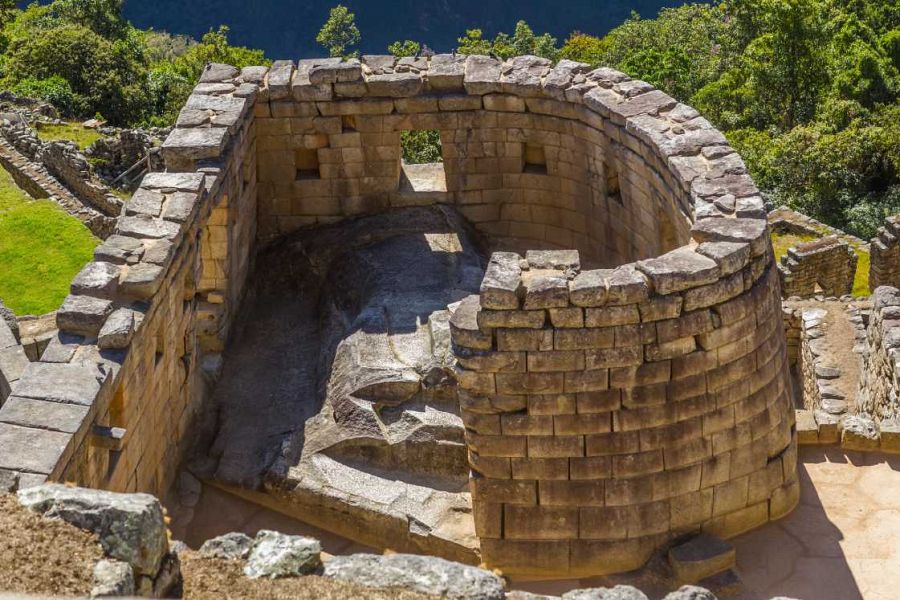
(828, 263)
(607, 410)
(884, 268)
(111, 401)
(880, 381)
(524, 159)
(12, 358)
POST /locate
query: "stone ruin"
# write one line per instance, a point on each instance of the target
(884, 268)
(825, 266)
(564, 355)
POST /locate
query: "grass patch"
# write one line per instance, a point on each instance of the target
(861, 280)
(41, 249)
(73, 132)
(781, 242)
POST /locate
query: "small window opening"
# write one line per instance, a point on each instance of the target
(613, 189)
(348, 123)
(160, 347)
(422, 163)
(535, 159)
(307, 163)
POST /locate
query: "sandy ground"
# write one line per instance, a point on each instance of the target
(206, 579)
(43, 556)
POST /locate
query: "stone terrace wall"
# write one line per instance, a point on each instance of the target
(111, 401)
(533, 155)
(880, 382)
(829, 263)
(884, 268)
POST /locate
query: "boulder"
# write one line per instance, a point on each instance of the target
(231, 546)
(130, 527)
(690, 592)
(112, 578)
(276, 555)
(620, 592)
(425, 574)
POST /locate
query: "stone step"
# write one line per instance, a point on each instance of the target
(701, 557)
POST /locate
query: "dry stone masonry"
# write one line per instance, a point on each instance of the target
(884, 268)
(622, 374)
(826, 265)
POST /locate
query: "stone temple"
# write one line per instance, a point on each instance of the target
(554, 353)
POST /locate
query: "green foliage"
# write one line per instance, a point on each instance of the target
(54, 90)
(420, 147)
(339, 32)
(503, 46)
(404, 48)
(805, 90)
(104, 75)
(85, 58)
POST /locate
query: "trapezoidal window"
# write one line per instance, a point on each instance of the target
(307, 163)
(421, 163)
(535, 159)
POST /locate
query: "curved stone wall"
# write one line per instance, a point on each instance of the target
(608, 410)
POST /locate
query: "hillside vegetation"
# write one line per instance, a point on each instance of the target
(806, 90)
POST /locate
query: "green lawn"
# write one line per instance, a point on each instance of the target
(41, 249)
(73, 132)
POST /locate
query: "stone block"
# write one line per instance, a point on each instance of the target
(701, 557)
(545, 289)
(502, 281)
(83, 315)
(540, 523)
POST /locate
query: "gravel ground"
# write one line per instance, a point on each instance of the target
(206, 578)
(44, 556)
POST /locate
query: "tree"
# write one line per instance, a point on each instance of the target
(404, 48)
(504, 46)
(339, 32)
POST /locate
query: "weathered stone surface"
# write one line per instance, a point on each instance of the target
(568, 261)
(142, 280)
(502, 281)
(276, 555)
(130, 527)
(70, 383)
(619, 592)
(112, 578)
(482, 74)
(43, 414)
(231, 546)
(425, 574)
(335, 71)
(98, 279)
(196, 144)
(690, 592)
(216, 72)
(590, 288)
(394, 85)
(8, 317)
(118, 330)
(35, 451)
(701, 557)
(83, 315)
(679, 270)
(446, 72)
(859, 432)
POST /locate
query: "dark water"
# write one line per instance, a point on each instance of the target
(287, 28)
